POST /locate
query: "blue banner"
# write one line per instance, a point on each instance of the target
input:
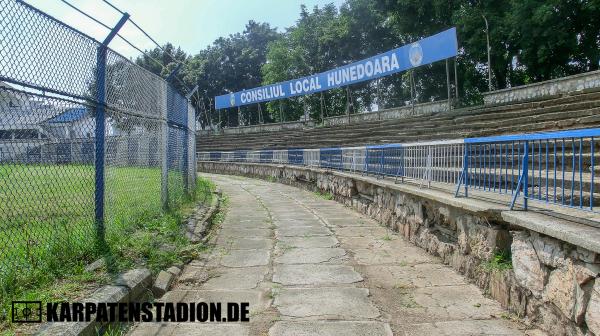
(428, 50)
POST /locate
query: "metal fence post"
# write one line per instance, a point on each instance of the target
(165, 136)
(164, 168)
(185, 170)
(99, 133)
(187, 131)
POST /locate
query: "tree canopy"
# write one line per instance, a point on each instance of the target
(530, 40)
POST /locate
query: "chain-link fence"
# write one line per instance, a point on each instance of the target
(89, 142)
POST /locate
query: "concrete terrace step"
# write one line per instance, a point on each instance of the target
(584, 117)
(575, 112)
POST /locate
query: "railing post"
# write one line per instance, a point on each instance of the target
(382, 164)
(523, 179)
(463, 178)
(466, 169)
(100, 133)
(526, 175)
(427, 171)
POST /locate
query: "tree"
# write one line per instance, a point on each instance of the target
(523, 50)
(569, 47)
(231, 64)
(162, 61)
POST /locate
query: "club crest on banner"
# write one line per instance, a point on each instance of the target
(415, 54)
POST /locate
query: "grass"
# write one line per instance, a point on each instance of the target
(47, 231)
(326, 196)
(501, 261)
(387, 236)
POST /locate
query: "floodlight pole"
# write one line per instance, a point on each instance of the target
(448, 85)
(322, 108)
(281, 111)
(455, 79)
(412, 93)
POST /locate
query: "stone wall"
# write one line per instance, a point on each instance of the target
(552, 284)
(580, 82)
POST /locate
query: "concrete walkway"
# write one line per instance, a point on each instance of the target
(310, 266)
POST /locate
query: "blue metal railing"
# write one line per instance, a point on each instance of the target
(551, 167)
(296, 156)
(331, 158)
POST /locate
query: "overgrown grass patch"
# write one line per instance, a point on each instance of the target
(501, 261)
(47, 229)
(324, 195)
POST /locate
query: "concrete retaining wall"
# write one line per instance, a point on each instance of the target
(292, 125)
(393, 113)
(580, 82)
(553, 284)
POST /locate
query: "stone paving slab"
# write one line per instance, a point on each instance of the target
(255, 224)
(347, 221)
(299, 216)
(405, 255)
(236, 243)
(259, 299)
(307, 242)
(244, 233)
(330, 328)
(311, 255)
(443, 303)
(296, 223)
(354, 231)
(236, 278)
(370, 242)
(309, 266)
(324, 302)
(245, 258)
(419, 275)
(462, 328)
(309, 274)
(192, 329)
(295, 231)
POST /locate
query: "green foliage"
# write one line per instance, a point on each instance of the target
(60, 241)
(523, 50)
(326, 196)
(501, 261)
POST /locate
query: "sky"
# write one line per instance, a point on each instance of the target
(190, 24)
